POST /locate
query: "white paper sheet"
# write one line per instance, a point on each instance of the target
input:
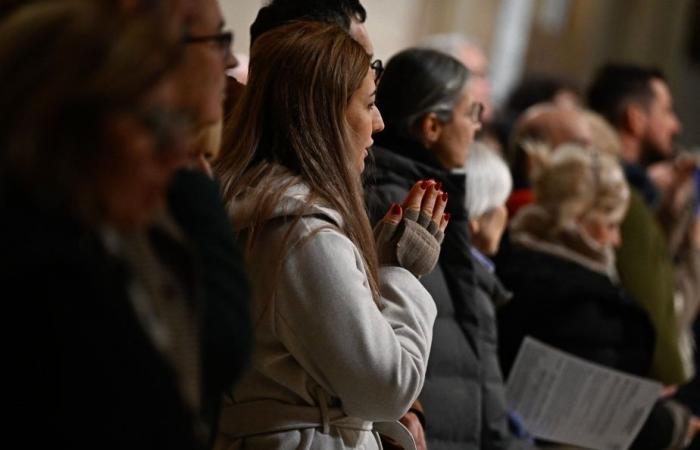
(566, 399)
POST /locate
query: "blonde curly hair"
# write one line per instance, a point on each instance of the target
(573, 182)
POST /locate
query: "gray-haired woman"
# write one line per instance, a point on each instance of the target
(430, 121)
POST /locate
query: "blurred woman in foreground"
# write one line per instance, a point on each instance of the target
(89, 141)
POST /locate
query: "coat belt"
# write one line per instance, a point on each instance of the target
(266, 416)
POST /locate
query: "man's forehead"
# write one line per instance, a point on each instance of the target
(661, 90)
(202, 13)
(358, 31)
(474, 59)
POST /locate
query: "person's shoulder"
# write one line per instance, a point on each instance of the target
(549, 275)
(318, 229)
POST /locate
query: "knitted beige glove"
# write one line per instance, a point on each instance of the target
(413, 243)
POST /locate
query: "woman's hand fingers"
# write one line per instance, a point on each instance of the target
(444, 221)
(415, 196)
(426, 199)
(440, 204)
(429, 199)
(394, 215)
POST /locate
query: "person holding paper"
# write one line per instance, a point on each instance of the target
(562, 273)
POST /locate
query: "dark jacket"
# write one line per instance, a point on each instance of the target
(458, 379)
(83, 372)
(196, 204)
(575, 309)
(580, 311)
(491, 295)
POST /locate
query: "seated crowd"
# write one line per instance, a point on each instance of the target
(339, 254)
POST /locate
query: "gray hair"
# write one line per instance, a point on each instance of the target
(488, 180)
(418, 81)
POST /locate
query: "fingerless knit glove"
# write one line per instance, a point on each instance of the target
(413, 243)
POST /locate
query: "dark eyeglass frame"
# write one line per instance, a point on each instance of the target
(378, 66)
(223, 40)
(476, 112)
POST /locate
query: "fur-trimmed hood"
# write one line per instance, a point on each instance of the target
(293, 201)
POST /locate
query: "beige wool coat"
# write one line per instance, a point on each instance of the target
(327, 361)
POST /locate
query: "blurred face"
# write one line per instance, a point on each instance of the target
(569, 125)
(479, 83)
(604, 231)
(487, 232)
(363, 119)
(456, 135)
(567, 99)
(662, 124)
(201, 75)
(144, 148)
(205, 149)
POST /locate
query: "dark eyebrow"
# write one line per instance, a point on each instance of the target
(222, 24)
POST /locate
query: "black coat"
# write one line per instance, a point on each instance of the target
(83, 374)
(573, 308)
(458, 378)
(491, 295)
(196, 204)
(580, 311)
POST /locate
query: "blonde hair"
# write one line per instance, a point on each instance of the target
(574, 181)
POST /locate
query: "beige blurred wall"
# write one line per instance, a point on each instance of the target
(392, 24)
(647, 32)
(594, 31)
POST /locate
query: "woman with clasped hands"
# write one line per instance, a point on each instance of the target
(343, 327)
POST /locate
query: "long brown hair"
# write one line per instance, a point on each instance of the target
(292, 114)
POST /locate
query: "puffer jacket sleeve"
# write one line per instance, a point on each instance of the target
(373, 360)
(380, 198)
(496, 433)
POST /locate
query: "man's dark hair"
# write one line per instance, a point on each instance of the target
(280, 12)
(616, 85)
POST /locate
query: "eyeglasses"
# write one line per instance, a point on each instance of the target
(476, 111)
(223, 40)
(378, 68)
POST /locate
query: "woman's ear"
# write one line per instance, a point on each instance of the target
(430, 128)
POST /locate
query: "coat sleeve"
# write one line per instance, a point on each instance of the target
(196, 204)
(496, 433)
(373, 361)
